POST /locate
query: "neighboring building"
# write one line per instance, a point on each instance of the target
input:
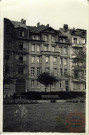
(29, 51)
(77, 38)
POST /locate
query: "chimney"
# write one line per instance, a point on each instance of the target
(47, 25)
(38, 24)
(65, 27)
(23, 21)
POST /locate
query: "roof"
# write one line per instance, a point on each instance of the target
(19, 24)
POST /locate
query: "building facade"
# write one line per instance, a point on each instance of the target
(77, 38)
(32, 50)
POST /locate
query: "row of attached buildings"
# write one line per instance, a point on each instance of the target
(32, 50)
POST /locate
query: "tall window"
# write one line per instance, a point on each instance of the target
(60, 84)
(38, 59)
(20, 58)
(60, 49)
(55, 60)
(65, 62)
(66, 85)
(61, 72)
(7, 69)
(21, 33)
(33, 47)
(46, 48)
(38, 84)
(75, 40)
(65, 50)
(38, 48)
(60, 61)
(53, 48)
(33, 59)
(55, 71)
(46, 37)
(32, 71)
(65, 72)
(38, 71)
(21, 46)
(47, 59)
(53, 85)
(20, 70)
(32, 83)
(53, 38)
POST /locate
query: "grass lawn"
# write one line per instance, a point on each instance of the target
(41, 117)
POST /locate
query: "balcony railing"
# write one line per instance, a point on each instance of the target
(21, 63)
(21, 51)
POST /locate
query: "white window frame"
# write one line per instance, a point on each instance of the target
(33, 59)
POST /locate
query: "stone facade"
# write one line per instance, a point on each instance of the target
(31, 50)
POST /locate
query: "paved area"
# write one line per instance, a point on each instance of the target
(41, 117)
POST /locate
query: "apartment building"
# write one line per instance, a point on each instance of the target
(77, 39)
(32, 50)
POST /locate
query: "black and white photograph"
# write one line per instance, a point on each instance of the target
(44, 66)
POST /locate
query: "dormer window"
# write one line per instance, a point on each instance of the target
(61, 40)
(22, 34)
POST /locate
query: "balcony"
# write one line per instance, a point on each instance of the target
(78, 45)
(21, 63)
(21, 51)
(50, 53)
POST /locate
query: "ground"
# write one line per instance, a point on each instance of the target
(41, 117)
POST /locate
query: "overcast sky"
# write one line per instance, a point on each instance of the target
(52, 12)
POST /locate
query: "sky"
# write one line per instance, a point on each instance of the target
(56, 13)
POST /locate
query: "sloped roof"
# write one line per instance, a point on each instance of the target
(19, 24)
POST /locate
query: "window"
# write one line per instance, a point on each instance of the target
(55, 71)
(33, 47)
(65, 62)
(38, 84)
(66, 85)
(53, 85)
(46, 48)
(65, 50)
(38, 71)
(32, 83)
(53, 38)
(55, 60)
(20, 70)
(20, 58)
(47, 59)
(60, 49)
(60, 61)
(53, 48)
(60, 84)
(21, 33)
(61, 72)
(38, 48)
(75, 40)
(33, 59)
(7, 69)
(32, 71)
(7, 57)
(47, 70)
(21, 46)
(46, 37)
(38, 59)
(65, 72)
(76, 74)
(33, 37)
